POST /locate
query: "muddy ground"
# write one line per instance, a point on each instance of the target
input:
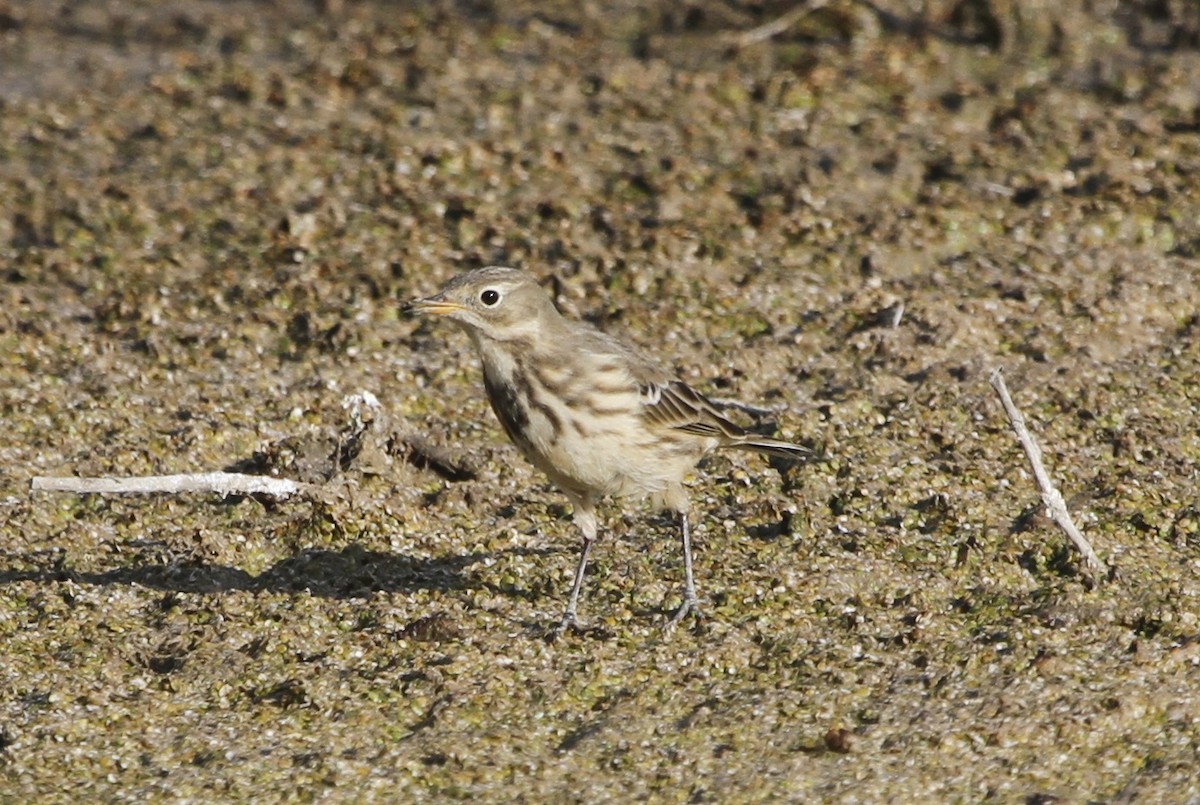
(210, 210)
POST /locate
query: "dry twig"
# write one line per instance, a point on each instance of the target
(221, 483)
(368, 435)
(778, 25)
(1051, 497)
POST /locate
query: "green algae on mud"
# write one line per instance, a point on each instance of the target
(212, 212)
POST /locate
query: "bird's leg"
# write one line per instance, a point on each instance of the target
(691, 603)
(586, 517)
(569, 619)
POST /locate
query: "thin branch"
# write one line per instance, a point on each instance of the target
(1051, 497)
(778, 25)
(422, 454)
(368, 436)
(221, 483)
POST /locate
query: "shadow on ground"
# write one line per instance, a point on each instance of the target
(350, 572)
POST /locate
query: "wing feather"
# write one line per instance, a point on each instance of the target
(671, 404)
(676, 405)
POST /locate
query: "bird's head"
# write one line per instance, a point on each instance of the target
(496, 304)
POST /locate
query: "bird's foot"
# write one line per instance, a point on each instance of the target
(690, 606)
(569, 621)
(572, 624)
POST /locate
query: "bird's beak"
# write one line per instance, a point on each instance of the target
(436, 305)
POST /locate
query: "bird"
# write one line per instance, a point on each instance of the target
(598, 417)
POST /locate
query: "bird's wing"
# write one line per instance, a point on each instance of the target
(676, 405)
(673, 405)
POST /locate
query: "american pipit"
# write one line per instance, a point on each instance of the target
(597, 417)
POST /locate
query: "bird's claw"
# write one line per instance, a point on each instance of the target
(569, 621)
(690, 606)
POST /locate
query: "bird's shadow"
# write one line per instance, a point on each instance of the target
(349, 572)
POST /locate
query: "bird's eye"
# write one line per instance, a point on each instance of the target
(490, 297)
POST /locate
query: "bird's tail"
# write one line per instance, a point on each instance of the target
(773, 447)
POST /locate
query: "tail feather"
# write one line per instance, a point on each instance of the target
(773, 447)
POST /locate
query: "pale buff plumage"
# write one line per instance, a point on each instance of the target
(597, 417)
